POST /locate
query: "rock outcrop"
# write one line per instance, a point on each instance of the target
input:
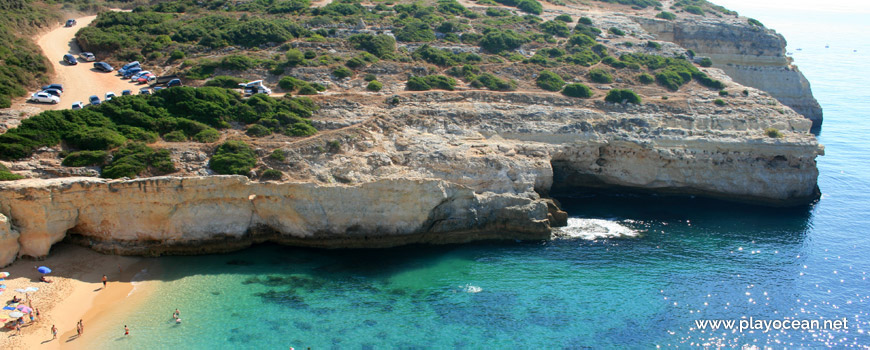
(8, 242)
(751, 55)
(172, 215)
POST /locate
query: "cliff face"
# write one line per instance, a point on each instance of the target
(8, 242)
(220, 213)
(750, 55)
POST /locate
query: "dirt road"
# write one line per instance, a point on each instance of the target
(82, 80)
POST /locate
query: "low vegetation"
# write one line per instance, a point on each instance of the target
(233, 158)
(622, 96)
(550, 81)
(773, 133)
(577, 90)
(6, 175)
(430, 82)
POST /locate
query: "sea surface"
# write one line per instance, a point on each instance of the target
(635, 272)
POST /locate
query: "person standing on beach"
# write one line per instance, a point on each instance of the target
(105, 279)
(18, 329)
(126, 330)
(81, 327)
(53, 332)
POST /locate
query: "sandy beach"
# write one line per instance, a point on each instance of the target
(75, 292)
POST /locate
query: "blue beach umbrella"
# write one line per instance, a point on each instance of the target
(43, 269)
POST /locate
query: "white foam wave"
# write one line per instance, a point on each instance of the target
(471, 289)
(137, 278)
(592, 229)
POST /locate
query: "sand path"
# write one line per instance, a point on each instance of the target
(79, 81)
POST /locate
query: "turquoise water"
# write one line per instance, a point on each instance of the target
(693, 259)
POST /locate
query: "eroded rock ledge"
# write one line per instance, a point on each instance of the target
(173, 215)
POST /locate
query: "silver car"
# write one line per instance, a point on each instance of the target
(44, 97)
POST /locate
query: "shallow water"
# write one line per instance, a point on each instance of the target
(691, 259)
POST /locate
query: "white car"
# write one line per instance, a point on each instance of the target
(87, 56)
(139, 74)
(78, 105)
(109, 95)
(44, 97)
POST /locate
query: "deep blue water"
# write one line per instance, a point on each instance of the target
(694, 259)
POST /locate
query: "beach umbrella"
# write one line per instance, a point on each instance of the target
(25, 309)
(21, 290)
(30, 289)
(16, 314)
(43, 269)
(4, 274)
(10, 308)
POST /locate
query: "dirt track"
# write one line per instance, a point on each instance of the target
(82, 80)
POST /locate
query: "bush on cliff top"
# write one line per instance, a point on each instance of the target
(550, 81)
(577, 90)
(134, 158)
(622, 95)
(233, 158)
(6, 175)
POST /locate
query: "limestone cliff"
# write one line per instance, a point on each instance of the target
(8, 242)
(751, 55)
(221, 213)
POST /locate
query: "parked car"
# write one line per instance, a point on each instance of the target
(53, 86)
(157, 88)
(94, 100)
(138, 74)
(130, 71)
(145, 78)
(126, 93)
(173, 82)
(109, 95)
(53, 92)
(70, 23)
(44, 97)
(78, 105)
(70, 59)
(103, 66)
(145, 91)
(87, 56)
(127, 66)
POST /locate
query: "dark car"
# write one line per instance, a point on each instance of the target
(53, 86)
(94, 100)
(54, 92)
(70, 22)
(144, 91)
(126, 93)
(173, 82)
(129, 72)
(70, 59)
(103, 66)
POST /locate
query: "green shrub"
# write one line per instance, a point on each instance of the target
(378, 45)
(342, 72)
(492, 82)
(233, 158)
(258, 130)
(723, 93)
(557, 28)
(237, 62)
(653, 45)
(706, 62)
(85, 158)
(176, 54)
(695, 10)
(207, 136)
(6, 175)
(497, 12)
(496, 41)
(134, 158)
(374, 85)
(278, 155)
(755, 22)
(308, 90)
(616, 31)
(294, 57)
(289, 83)
(95, 139)
(586, 21)
(719, 102)
(271, 174)
(549, 81)
(175, 136)
(309, 55)
(666, 15)
(622, 95)
(564, 18)
(415, 30)
(577, 90)
(645, 78)
(774, 133)
(370, 77)
(300, 129)
(598, 75)
(225, 81)
(430, 82)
